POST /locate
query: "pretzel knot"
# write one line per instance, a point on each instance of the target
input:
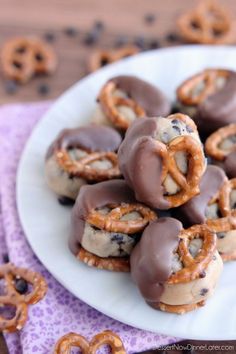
(196, 89)
(95, 166)
(12, 297)
(112, 221)
(215, 146)
(23, 57)
(73, 340)
(189, 182)
(227, 211)
(193, 267)
(111, 103)
(209, 23)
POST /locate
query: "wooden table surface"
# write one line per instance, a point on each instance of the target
(58, 20)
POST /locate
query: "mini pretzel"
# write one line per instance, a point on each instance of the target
(82, 168)
(213, 142)
(23, 57)
(178, 309)
(190, 94)
(110, 102)
(112, 222)
(73, 340)
(193, 267)
(189, 184)
(209, 23)
(104, 57)
(20, 302)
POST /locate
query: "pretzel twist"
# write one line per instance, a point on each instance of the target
(83, 168)
(209, 23)
(112, 221)
(196, 89)
(20, 302)
(110, 103)
(214, 141)
(70, 340)
(193, 267)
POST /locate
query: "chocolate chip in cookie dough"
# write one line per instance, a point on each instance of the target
(202, 274)
(66, 201)
(203, 291)
(118, 238)
(177, 129)
(21, 286)
(189, 129)
(220, 235)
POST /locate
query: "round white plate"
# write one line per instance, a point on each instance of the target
(46, 223)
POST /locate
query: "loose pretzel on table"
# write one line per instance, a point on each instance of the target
(213, 142)
(110, 103)
(208, 23)
(11, 297)
(189, 93)
(73, 340)
(82, 167)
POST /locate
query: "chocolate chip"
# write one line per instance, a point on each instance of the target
(140, 42)
(220, 235)
(43, 89)
(21, 286)
(203, 291)
(49, 37)
(99, 25)
(149, 18)
(177, 129)
(5, 258)
(91, 38)
(121, 41)
(189, 129)
(172, 37)
(10, 87)
(202, 274)
(154, 44)
(118, 238)
(65, 201)
(70, 31)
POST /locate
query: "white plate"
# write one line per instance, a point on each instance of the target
(46, 223)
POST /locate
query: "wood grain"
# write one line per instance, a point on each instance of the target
(120, 17)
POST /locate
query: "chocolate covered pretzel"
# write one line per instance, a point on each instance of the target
(82, 155)
(178, 272)
(124, 99)
(107, 222)
(221, 148)
(162, 160)
(209, 97)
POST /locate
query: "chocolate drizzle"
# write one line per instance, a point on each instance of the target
(152, 257)
(149, 97)
(218, 109)
(90, 138)
(96, 196)
(193, 212)
(140, 163)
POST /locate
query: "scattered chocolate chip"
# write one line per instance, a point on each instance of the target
(70, 31)
(49, 37)
(5, 258)
(149, 18)
(121, 41)
(99, 25)
(140, 42)
(43, 89)
(66, 201)
(202, 274)
(154, 44)
(21, 286)
(10, 87)
(172, 37)
(91, 38)
(203, 291)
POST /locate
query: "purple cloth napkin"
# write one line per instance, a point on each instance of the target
(59, 312)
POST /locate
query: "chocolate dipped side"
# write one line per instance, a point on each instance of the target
(229, 165)
(218, 109)
(151, 259)
(96, 196)
(140, 163)
(90, 138)
(149, 97)
(193, 212)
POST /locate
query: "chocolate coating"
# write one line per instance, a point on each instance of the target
(193, 212)
(90, 138)
(229, 165)
(140, 163)
(218, 109)
(151, 259)
(149, 97)
(96, 196)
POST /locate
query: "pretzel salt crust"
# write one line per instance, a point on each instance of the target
(22, 57)
(222, 142)
(110, 103)
(209, 23)
(74, 340)
(104, 57)
(196, 89)
(11, 297)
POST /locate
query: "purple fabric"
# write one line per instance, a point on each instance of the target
(59, 312)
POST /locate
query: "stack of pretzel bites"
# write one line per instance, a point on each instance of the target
(135, 160)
